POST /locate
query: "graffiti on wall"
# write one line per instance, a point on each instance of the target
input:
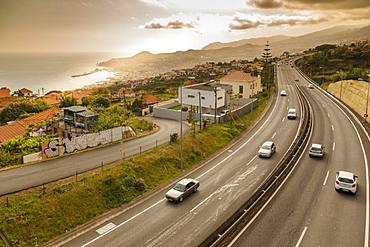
(58, 147)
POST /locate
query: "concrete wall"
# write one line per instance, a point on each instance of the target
(32, 157)
(165, 113)
(58, 147)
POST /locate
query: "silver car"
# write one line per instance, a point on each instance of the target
(267, 149)
(182, 189)
(317, 150)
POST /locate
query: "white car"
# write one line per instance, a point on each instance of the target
(267, 149)
(292, 113)
(311, 86)
(346, 181)
(182, 189)
(317, 150)
(283, 93)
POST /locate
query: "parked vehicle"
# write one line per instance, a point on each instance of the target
(267, 149)
(292, 113)
(317, 150)
(182, 189)
(310, 86)
(346, 181)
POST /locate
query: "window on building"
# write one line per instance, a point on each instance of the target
(219, 98)
(241, 89)
(203, 97)
(191, 96)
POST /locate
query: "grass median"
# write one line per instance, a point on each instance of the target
(35, 216)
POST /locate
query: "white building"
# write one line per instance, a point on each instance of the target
(208, 95)
(243, 84)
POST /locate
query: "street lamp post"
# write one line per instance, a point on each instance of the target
(181, 156)
(215, 90)
(367, 100)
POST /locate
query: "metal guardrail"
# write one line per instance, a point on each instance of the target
(229, 229)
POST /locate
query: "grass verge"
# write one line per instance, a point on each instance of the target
(35, 216)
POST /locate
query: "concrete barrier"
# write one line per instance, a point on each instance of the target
(32, 157)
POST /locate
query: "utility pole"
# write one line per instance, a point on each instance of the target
(215, 90)
(341, 88)
(181, 161)
(367, 100)
(200, 111)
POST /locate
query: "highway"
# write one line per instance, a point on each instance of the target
(307, 211)
(37, 174)
(226, 182)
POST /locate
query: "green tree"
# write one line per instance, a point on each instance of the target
(66, 101)
(101, 101)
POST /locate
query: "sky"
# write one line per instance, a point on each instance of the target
(132, 26)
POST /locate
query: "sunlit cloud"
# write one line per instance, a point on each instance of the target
(170, 25)
(255, 21)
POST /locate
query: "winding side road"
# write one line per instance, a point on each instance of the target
(37, 174)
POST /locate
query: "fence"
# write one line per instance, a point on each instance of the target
(164, 112)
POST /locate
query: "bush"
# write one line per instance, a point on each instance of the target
(21, 108)
(173, 137)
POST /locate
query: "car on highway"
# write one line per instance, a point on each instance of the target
(292, 113)
(346, 181)
(311, 86)
(182, 189)
(267, 149)
(283, 93)
(317, 150)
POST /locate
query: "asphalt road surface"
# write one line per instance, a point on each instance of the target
(307, 211)
(226, 182)
(40, 173)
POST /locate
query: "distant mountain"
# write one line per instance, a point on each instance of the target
(253, 41)
(147, 64)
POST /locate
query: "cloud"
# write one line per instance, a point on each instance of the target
(155, 3)
(309, 4)
(266, 4)
(170, 25)
(244, 23)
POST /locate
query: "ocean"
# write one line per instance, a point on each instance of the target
(51, 71)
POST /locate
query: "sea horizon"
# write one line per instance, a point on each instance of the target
(52, 70)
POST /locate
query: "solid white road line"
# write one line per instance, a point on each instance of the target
(301, 237)
(199, 204)
(326, 178)
(273, 135)
(332, 127)
(133, 217)
(333, 146)
(277, 190)
(282, 120)
(212, 168)
(333, 99)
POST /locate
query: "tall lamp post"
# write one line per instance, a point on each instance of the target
(181, 156)
(367, 100)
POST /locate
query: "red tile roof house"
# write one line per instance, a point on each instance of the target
(4, 92)
(19, 127)
(25, 92)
